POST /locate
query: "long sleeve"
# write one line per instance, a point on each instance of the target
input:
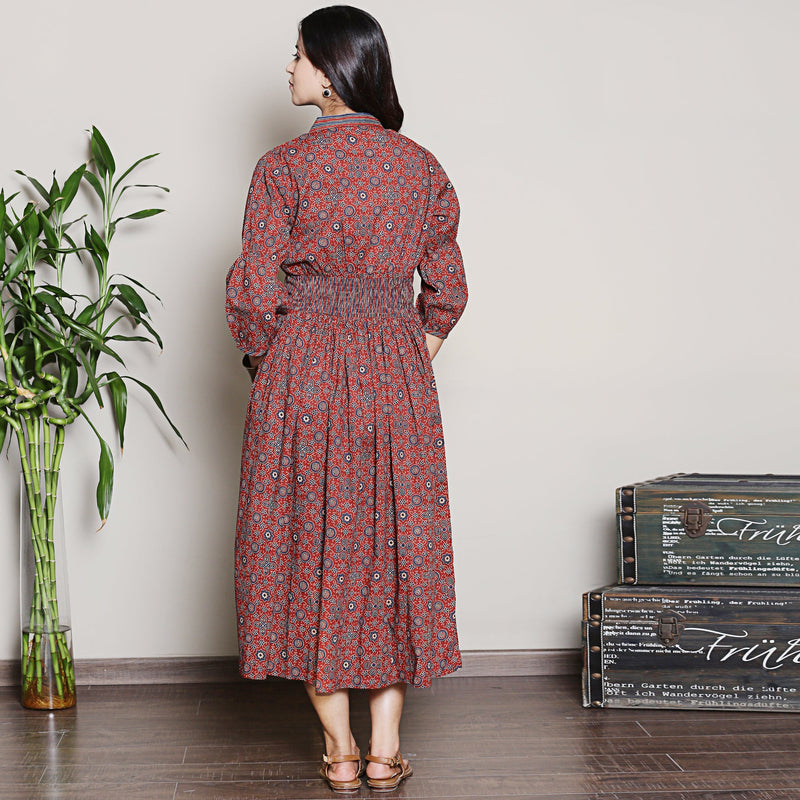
(254, 294)
(443, 294)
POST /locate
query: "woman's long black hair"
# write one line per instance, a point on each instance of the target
(348, 45)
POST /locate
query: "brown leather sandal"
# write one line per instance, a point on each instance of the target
(387, 784)
(341, 786)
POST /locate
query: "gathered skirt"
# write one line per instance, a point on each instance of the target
(343, 555)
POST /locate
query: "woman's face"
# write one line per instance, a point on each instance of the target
(306, 82)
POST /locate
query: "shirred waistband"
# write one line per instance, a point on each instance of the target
(351, 296)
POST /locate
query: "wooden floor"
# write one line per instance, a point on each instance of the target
(466, 737)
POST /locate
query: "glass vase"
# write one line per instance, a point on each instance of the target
(48, 673)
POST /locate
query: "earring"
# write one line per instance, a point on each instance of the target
(326, 92)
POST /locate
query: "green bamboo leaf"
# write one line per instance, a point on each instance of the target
(105, 483)
(68, 225)
(140, 285)
(132, 167)
(55, 189)
(133, 314)
(49, 233)
(47, 339)
(59, 292)
(70, 378)
(98, 264)
(39, 321)
(118, 337)
(101, 153)
(89, 335)
(71, 186)
(119, 402)
(91, 338)
(97, 250)
(3, 431)
(51, 302)
(36, 185)
(131, 298)
(59, 352)
(87, 315)
(11, 227)
(30, 222)
(94, 182)
(94, 243)
(152, 330)
(90, 377)
(57, 251)
(147, 212)
(15, 234)
(16, 266)
(141, 186)
(160, 406)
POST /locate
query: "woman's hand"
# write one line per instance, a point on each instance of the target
(434, 343)
(251, 364)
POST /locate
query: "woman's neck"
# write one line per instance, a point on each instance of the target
(333, 107)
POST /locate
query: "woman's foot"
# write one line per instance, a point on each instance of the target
(385, 773)
(343, 771)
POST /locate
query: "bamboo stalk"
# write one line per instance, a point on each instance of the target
(47, 651)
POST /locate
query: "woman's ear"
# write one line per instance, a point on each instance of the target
(327, 87)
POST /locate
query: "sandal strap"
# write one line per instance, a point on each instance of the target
(339, 759)
(394, 761)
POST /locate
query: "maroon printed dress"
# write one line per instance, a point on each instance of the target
(344, 562)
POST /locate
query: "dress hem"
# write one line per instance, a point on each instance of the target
(422, 684)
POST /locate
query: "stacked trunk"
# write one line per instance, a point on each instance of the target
(706, 613)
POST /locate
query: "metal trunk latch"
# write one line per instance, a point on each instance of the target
(695, 517)
(669, 629)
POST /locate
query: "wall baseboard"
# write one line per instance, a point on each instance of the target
(117, 671)
(507, 663)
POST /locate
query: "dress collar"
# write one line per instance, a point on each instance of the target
(336, 120)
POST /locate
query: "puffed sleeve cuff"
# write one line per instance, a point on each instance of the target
(440, 324)
(434, 331)
(439, 316)
(253, 329)
(251, 345)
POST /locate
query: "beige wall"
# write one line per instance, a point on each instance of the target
(629, 178)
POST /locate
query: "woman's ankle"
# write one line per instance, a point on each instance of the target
(340, 747)
(385, 747)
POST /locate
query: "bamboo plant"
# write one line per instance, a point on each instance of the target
(59, 350)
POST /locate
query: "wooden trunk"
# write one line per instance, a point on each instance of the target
(739, 530)
(689, 647)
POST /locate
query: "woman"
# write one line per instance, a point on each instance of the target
(344, 575)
